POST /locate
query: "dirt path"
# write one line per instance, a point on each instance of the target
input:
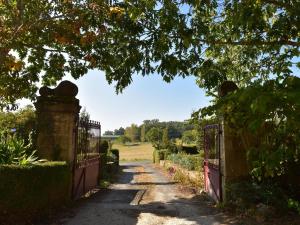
(143, 195)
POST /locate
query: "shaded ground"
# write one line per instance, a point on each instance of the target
(144, 195)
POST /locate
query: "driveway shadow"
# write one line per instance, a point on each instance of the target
(114, 206)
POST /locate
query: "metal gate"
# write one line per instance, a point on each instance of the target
(86, 157)
(212, 176)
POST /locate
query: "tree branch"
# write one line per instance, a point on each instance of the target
(279, 4)
(253, 42)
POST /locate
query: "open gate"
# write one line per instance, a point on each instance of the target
(212, 175)
(86, 158)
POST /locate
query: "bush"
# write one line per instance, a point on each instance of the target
(29, 192)
(156, 156)
(160, 155)
(114, 154)
(189, 162)
(22, 122)
(172, 147)
(104, 146)
(163, 154)
(123, 139)
(244, 195)
(103, 161)
(14, 151)
(109, 164)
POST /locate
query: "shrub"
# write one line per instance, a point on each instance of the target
(109, 163)
(14, 151)
(160, 155)
(29, 192)
(114, 154)
(156, 156)
(104, 146)
(294, 204)
(189, 162)
(172, 148)
(23, 122)
(246, 194)
(189, 136)
(163, 154)
(103, 161)
(123, 139)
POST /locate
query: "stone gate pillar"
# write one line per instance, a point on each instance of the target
(233, 153)
(57, 115)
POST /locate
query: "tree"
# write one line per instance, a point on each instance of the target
(46, 37)
(123, 139)
(266, 118)
(108, 133)
(165, 138)
(133, 133)
(154, 135)
(175, 128)
(189, 136)
(212, 40)
(120, 131)
(84, 115)
(143, 133)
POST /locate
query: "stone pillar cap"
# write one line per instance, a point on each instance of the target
(65, 88)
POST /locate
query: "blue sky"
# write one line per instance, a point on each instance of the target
(146, 98)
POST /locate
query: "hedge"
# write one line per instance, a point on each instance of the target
(104, 146)
(29, 192)
(103, 162)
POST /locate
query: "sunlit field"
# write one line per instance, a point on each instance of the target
(141, 151)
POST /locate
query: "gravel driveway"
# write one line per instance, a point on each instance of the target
(144, 195)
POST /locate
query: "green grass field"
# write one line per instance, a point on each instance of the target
(142, 151)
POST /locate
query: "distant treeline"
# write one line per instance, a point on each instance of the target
(138, 133)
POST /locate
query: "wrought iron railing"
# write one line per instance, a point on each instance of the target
(88, 139)
(212, 143)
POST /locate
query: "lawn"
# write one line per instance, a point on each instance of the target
(143, 151)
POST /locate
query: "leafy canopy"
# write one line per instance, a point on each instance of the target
(42, 41)
(266, 118)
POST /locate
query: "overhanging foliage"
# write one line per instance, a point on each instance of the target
(213, 40)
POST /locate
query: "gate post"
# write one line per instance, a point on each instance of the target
(57, 116)
(233, 154)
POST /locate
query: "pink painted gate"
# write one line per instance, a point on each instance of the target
(212, 176)
(86, 170)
